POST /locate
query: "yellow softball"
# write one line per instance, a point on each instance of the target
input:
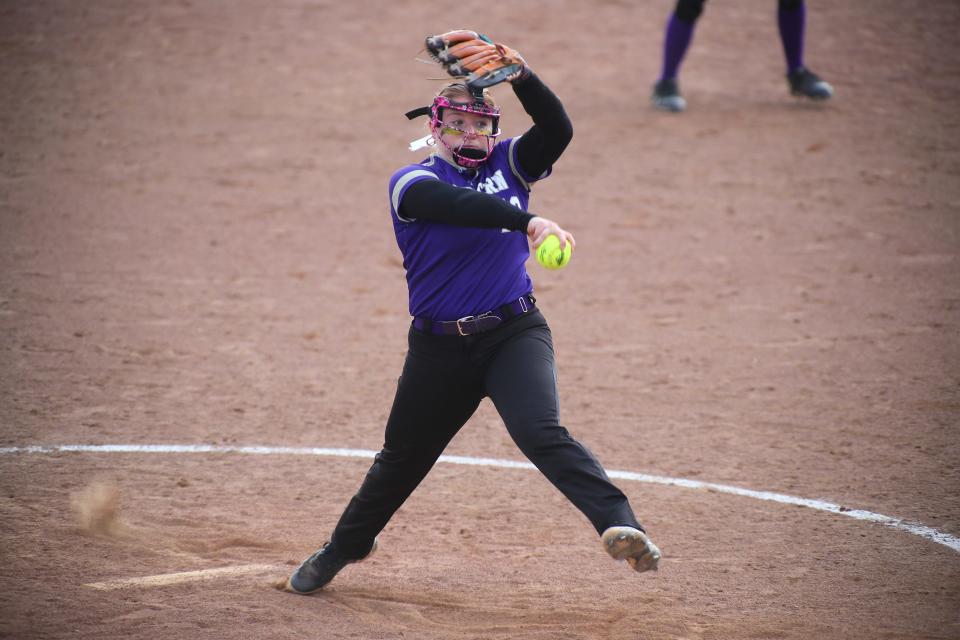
(551, 256)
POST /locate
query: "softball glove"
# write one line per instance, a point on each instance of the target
(475, 58)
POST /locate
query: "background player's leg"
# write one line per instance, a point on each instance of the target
(521, 382)
(676, 41)
(792, 23)
(435, 397)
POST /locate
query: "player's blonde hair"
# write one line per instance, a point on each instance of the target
(459, 92)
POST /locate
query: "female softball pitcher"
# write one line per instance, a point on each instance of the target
(461, 222)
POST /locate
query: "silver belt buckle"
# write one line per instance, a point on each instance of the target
(464, 319)
(523, 304)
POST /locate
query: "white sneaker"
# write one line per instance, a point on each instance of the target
(666, 96)
(632, 545)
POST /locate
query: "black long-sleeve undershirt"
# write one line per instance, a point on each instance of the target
(537, 149)
(542, 144)
(441, 202)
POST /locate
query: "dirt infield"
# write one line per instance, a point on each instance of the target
(195, 248)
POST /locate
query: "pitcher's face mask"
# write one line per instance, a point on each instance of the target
(467, 129)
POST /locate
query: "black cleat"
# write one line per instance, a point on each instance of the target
(319, 569)
(806, 83)
(666, 96)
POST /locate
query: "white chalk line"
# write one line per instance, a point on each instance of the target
(914, 528)
(166, 579)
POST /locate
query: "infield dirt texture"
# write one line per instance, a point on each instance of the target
(195, 248)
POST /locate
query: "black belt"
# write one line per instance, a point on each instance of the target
(469, 325)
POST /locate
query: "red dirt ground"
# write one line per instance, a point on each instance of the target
(195, 247)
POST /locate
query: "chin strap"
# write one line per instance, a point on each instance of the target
(464, 161)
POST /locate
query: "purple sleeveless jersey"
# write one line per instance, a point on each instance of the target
(455, 271)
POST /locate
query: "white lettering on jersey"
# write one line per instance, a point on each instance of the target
(494, 183)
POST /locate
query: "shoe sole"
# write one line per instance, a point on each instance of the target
(632, 545)
(673, 104)
(289, 589)
(822, 91)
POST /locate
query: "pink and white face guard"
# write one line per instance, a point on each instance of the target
(477, 108)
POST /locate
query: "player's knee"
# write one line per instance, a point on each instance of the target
(532, 440)
(689, 10)
(404, 456)
(790, 5)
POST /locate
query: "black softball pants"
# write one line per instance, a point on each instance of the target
(443, 381)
